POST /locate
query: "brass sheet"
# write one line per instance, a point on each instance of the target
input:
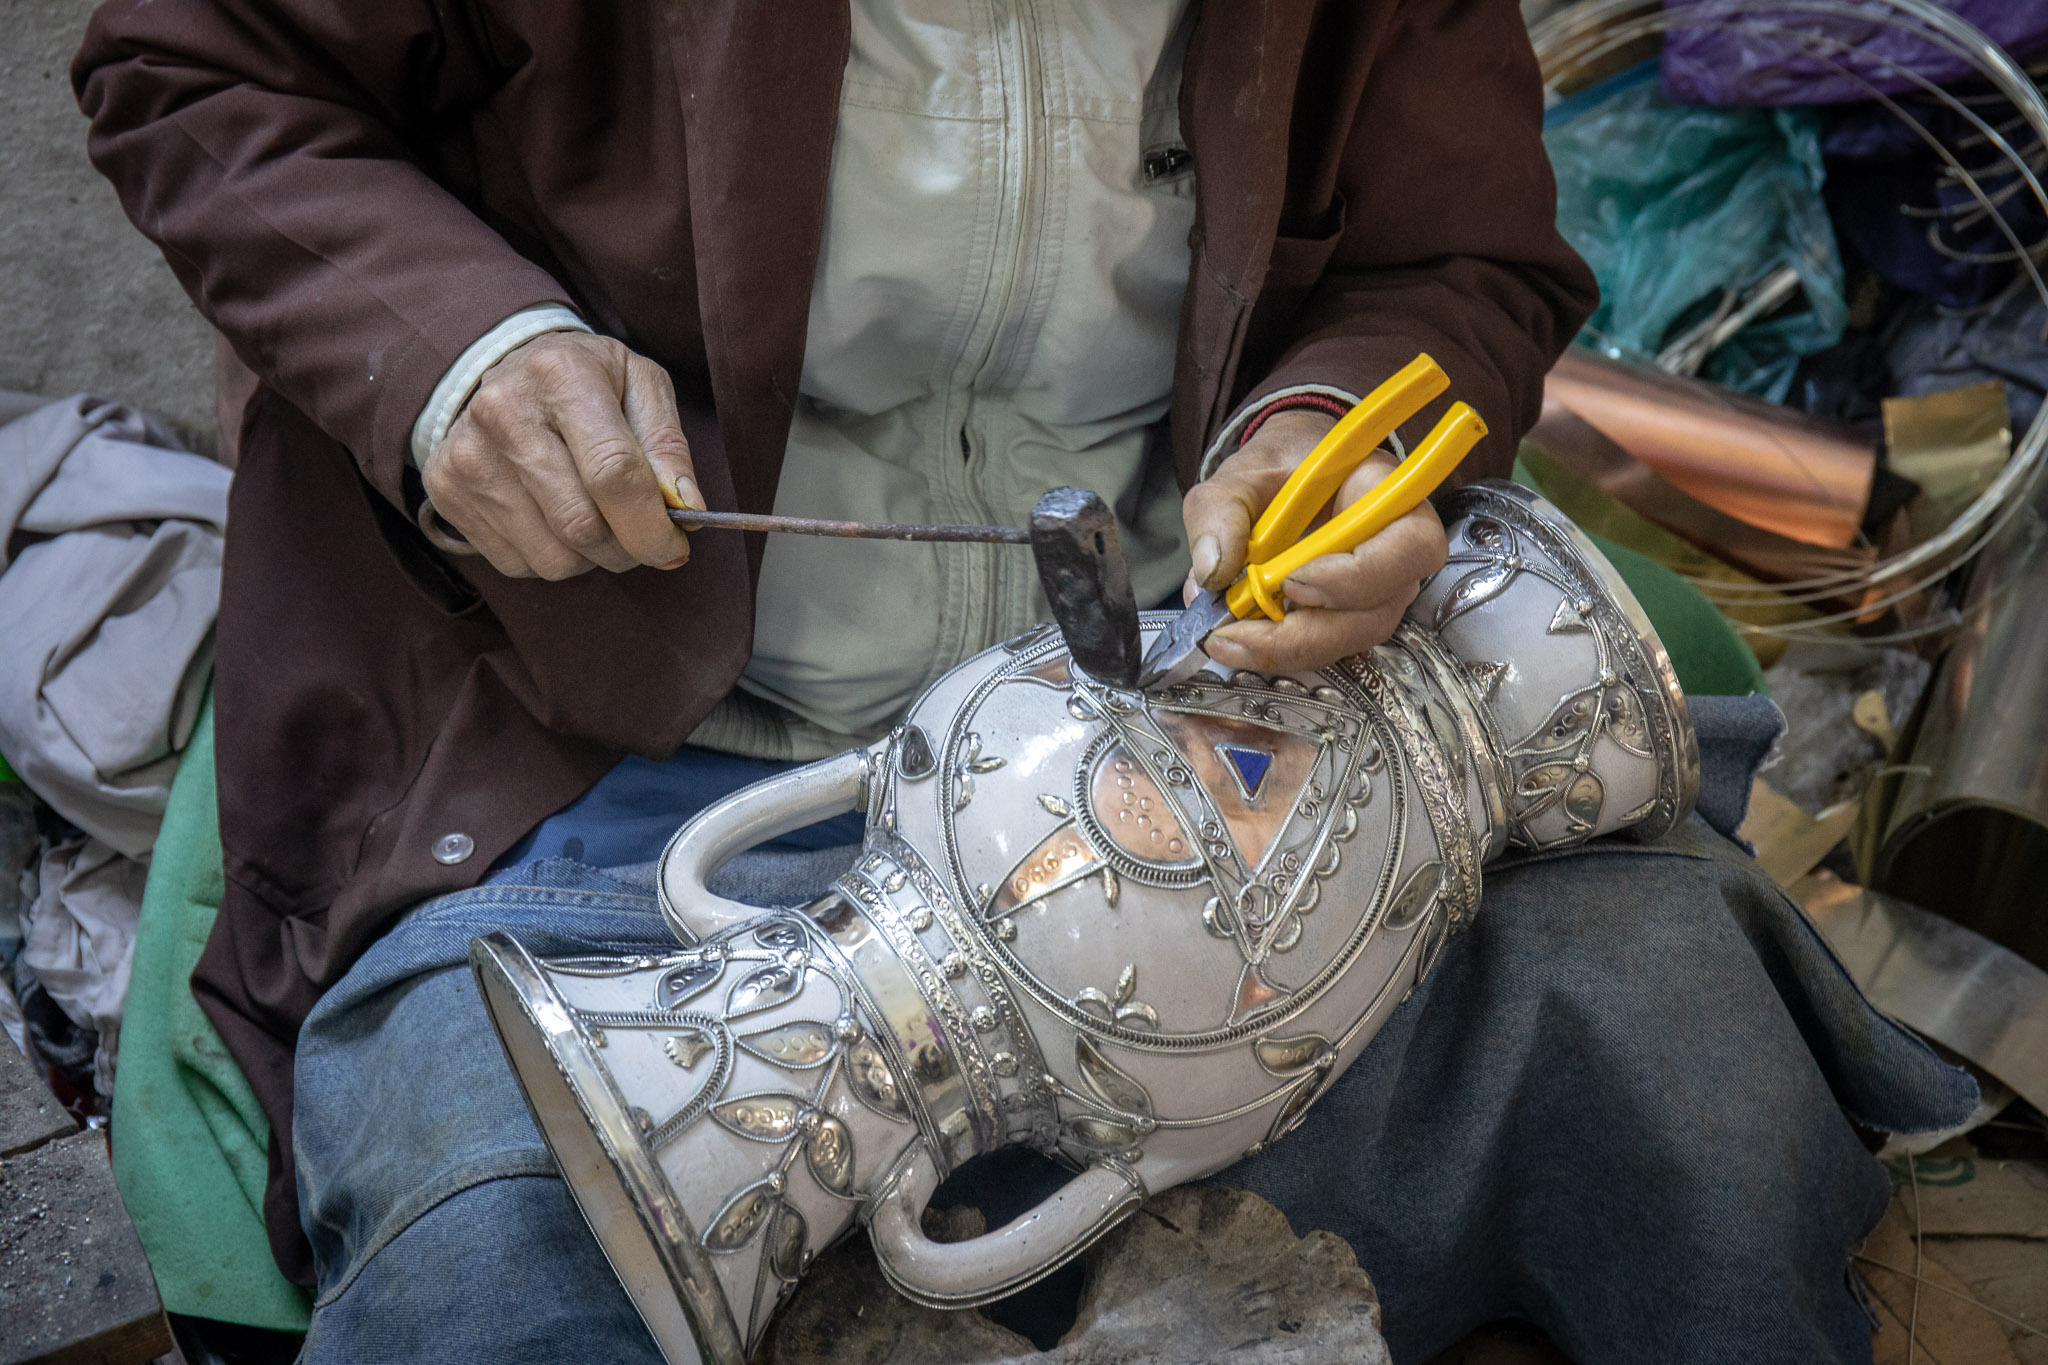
(1596, 511)
(1940, 979)
(1790, 843)
(1952, 444)
(1770, 466)
(1966, 835)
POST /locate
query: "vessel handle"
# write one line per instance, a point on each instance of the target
(998, 1263)
(749, 817)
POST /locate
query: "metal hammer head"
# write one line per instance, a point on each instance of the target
(1081, 564)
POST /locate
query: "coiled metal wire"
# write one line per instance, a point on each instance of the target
(1584, 35)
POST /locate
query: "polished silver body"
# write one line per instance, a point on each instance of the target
(1140, 931)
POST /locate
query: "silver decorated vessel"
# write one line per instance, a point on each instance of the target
(1141, 932)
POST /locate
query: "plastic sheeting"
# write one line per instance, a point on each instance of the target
(1675, 207)
(1759, 56)
(1915, 222)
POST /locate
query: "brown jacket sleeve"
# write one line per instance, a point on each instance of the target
(274, 152)
(1435, 218)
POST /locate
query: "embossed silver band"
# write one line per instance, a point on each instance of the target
(593, 1135)
(1623, 624)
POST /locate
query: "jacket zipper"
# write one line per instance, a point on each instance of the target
(1020, 163)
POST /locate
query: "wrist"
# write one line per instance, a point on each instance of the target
(453, 393)
(1330, 399)
(1295, 409)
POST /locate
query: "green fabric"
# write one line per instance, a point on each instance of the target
(191, 1147)
(1708, 656)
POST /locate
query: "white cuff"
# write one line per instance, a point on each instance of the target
(1225, 443)
(446, 402)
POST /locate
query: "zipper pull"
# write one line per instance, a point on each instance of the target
(1164, 163)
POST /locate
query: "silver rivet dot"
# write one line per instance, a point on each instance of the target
(984, 1019)
(920, 919)
(955, 965)
(453, 848)
(1006, 929)
(1004, 1064)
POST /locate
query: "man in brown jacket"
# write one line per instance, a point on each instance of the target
(906, 258)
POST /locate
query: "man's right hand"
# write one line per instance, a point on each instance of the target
(560, 460)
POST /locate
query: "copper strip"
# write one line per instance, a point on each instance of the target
(1580, 447)
(1770, 466)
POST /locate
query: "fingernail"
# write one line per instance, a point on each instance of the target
(1304, 594)
(688, 496)
(1206, 553)
(1232, 647)
(677, 562)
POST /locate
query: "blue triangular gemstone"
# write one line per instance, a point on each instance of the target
(1250, 766)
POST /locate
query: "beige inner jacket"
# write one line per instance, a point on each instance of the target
(994, 314)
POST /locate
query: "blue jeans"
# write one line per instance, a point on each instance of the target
(1623, 1106)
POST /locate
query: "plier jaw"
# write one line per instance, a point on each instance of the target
(1278, 547)
(1176, 654)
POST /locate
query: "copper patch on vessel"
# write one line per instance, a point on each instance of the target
(1129, 805)
(1061, 857)
(1253, 821)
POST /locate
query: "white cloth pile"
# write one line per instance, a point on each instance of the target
(110, 551)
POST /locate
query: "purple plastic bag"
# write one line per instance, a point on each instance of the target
(1894, 202)
(1742, 54)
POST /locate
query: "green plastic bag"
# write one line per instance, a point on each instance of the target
(1673, 206)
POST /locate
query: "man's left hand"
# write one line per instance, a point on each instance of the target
(1338, 605)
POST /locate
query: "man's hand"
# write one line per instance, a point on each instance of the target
(559, 461)
(1338, 605)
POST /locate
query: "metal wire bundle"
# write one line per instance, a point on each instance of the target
(1596, 34)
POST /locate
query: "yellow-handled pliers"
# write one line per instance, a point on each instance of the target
(1278, 548)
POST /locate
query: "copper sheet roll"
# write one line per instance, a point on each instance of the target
(1770, 466)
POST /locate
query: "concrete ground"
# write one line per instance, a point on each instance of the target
(89, 304)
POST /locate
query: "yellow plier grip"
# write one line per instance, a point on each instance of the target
(1394, 497)
(1343, 448)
